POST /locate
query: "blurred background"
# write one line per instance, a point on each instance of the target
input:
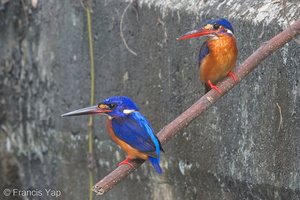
(246, 146)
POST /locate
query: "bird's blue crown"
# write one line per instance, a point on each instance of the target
(221, 21)
(120, 101)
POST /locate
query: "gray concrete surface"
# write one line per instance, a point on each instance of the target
(233, 151)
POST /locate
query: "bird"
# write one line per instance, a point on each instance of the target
(218, 54)
(128, 128)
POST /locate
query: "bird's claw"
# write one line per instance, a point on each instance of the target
(233, 76)
(126, 161)
(214, 87)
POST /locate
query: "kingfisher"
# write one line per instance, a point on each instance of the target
(218, 54)
(128, 128)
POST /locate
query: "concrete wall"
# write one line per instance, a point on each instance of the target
(233, 151)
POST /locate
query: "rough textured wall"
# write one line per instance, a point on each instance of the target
(233, 151)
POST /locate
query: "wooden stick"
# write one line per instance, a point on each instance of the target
(202, 104)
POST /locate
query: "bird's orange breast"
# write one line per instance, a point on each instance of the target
(220, 60)
(131, 152)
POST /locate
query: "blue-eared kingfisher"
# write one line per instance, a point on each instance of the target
(218, 53)
(128, 128)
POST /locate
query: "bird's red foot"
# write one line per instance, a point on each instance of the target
(233, 76)
(126, 162)
(214, 87)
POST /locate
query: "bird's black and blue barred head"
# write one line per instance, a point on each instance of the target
(120, 106)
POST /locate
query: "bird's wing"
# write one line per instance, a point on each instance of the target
(136, 131)
(204, 50)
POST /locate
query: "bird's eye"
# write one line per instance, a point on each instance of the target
(112, 105)
(216, 26)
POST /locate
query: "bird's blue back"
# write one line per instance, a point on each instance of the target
(136, 131)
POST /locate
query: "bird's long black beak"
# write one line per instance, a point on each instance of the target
(88, 111)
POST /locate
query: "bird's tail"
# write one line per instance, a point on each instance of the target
(155, 163)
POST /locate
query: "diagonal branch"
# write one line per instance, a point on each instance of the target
(203, 103)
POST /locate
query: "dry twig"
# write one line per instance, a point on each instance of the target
(121, 28)
(87, 3)
(284, 4)
(25, 12)
(280, 125)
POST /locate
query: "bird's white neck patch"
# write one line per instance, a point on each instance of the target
(229, 31)
(127, 111)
